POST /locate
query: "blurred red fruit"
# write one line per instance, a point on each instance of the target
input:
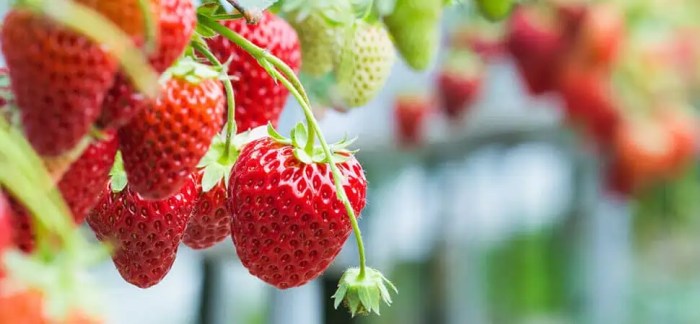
(589, 102)
(459, 82)
(601, 35)
(410, 111)
(538, 47)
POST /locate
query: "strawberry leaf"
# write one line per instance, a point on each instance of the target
(213, 174)
(272, 132)
(118, 174)
(299, 135)
(302, 156)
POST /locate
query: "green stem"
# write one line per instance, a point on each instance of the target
(151, 31)
(230, 99)
(337, 177)
(257, 52)
(282, 72)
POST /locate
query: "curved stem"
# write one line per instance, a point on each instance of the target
(230, 98)
(337, 177)
(283, 73)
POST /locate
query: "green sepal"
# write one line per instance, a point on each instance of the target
(277, 137)
(192, 71)
(299, 135)
(118, 174)
(217, 164)
(363, 295)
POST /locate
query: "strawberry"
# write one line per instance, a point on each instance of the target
(410, 112)
(589, 101)
(59, 79)
(415, 27)
(210, 222)
(80, 186)
(259, 98)
(25, 306)
(537, 47)
(288, 224)
(365, 64)
(459, 82)
(176, 23)
(145, 233)
(5, 229)
(164, 143)
(321, 26)
(601, 35)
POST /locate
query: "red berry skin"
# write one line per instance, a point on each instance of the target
(82, 184)
(22, 232)
(410, 113)
(259, 99)
(145, 233)
(5, 229)
(81, 187)
(177, 20)
(211, 218)
(288, 224)
(163, 144)
(457, 92)
(537, 50)
(59, 79)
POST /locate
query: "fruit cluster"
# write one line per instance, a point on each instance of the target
(154, 122)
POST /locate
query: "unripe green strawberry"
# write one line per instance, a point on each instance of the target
(365, 63)
(321, 27)
(415, 27)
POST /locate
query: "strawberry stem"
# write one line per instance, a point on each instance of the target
(150, 31)
(230, 98)
(284, 74)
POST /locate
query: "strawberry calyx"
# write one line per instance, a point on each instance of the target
(362, 294)
(191, 71)
(218, 162)
(299, 137)
(117, 174)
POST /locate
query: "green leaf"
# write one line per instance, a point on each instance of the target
(272, 132)
(213, 174)
(302, 156)
(299, 135)
(339, 295)
(117, 174)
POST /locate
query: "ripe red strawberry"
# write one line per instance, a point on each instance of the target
(589, 101)
(5, 229)
(82, 184)
(259, 99)
(59, 79)
(164, 143)
(145, 233)
(210, 222)
(537, 47)
(288, 224)
(459, 82)
(176, 22)
(80, 187)
(601, 35)
(410, 112)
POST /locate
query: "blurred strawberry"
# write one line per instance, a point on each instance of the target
(5, 229)
(459, 82)
(601, 35)
(535, 42)
(589, 102)
(644, 150)
(410, 111)
(488, 43)
(684, 134)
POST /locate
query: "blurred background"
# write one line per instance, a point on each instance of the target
(544, 170)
